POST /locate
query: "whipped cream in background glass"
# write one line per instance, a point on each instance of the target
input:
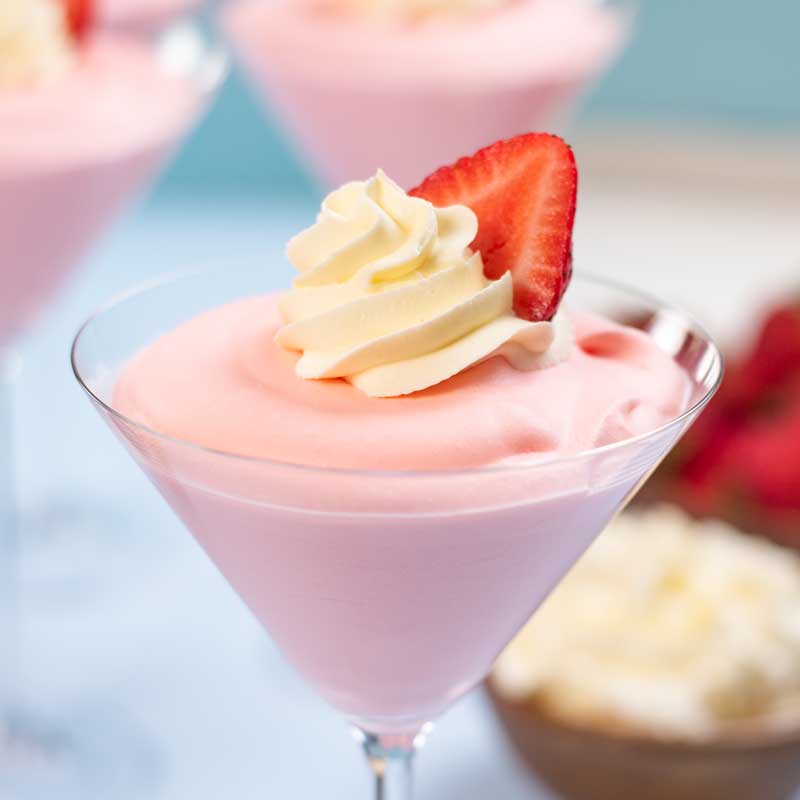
(410, 9)
(35, 43)
(669, 627)
(391, 297)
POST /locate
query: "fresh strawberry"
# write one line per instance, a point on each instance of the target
(523, 192)
(80, 16)
(741, 460)
(767, 460)
(775, 356)
(692, 475)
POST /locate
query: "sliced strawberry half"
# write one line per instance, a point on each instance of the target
(523, 191)
(80, 16)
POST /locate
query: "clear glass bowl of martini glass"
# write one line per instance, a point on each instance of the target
(391, 593)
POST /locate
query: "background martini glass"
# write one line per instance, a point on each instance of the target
(391, 592)
(144, 15)
(73, 152)
(354, 91)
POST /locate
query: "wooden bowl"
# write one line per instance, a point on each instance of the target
(587, 764)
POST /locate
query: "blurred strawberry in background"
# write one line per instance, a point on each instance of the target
(741, 460)
(80, 15)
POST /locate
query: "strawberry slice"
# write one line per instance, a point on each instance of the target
(523, 192)
(80, 16)
(776, 353)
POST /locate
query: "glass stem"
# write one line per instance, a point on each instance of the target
(391, 758)
(9, 533)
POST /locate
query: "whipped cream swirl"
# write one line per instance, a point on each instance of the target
(34, 41)
(415, 9)
(390, 297)
(666, 626)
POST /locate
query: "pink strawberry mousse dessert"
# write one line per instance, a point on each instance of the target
(358, 449)
(86, 118)
(144, 15)
(407, 83)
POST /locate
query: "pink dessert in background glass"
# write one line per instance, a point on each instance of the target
(87, 118)
(73, 151)
(355, 89)
(143, 15)
(396, 460)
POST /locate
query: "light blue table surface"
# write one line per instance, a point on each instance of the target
(155, 637)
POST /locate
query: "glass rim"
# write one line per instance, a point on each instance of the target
(167, 279)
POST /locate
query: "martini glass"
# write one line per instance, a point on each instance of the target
(73, 152)
(391, 592)
(352, 92)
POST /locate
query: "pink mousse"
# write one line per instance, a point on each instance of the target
(393, 593)
(616, 384)
(357, 93)
(72, 150)
(146, 16)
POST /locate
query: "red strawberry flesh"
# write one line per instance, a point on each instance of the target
(80, 16)
(741, 460)
(523, 191)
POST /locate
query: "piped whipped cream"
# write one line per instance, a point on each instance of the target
(35, 43)
(391, 298)
(667, 626)
(415, 9)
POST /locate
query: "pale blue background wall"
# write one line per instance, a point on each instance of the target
(696, 62)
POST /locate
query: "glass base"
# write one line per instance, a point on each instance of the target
(80, 756)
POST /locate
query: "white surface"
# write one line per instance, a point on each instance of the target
(160, 637)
